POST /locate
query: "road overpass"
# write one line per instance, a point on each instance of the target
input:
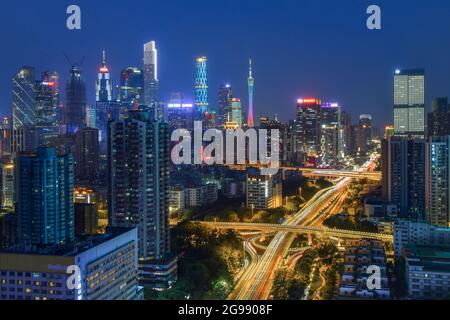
(319, 231)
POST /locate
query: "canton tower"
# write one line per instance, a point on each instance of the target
(251, 82)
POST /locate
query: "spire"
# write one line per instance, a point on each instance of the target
(250, 73)
(104, 57)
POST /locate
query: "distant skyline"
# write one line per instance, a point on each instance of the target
(299, 48)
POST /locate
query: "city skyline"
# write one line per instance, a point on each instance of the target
(298, 70)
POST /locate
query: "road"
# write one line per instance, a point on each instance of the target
(257, 281)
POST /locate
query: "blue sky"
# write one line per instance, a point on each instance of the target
(299, 47)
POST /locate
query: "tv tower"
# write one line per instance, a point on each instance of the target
(251, 82)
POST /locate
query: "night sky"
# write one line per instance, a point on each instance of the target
(299, 47)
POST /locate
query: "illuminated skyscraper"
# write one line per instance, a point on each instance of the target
(308, 125)
(201, 86)
(251, 83)
(131, 86)
(76, 101)
(236, 111)
(103, 87)
(224, 103)
(409, 102)
(46, 107)
(23, 98)
(150, 73)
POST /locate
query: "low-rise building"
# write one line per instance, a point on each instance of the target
(428, 273)
(263, 192)
(107, 265)
(361, 256)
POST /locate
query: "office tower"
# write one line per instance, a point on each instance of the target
(439, 118)
(364, 134)
(44, 193)
(7, 185)
(24, 138)
(5, 138)
(86, 218)
(251, 83)
(269, 125)
(131, 87)
(23, 98)
(403, 175)
(346, 123)
(263, 191)
(388, 131)
(236, 111)
(107, 264)
(308, 125)
(151, 82)
(201, 86)
(224, 103)
(86, 155)
(409, 102)
(438, 181)
(332, 126)
(46, 107)
(75, 100)
(138, 173)
(180, 113)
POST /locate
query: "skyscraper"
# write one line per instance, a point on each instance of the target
(86, 155)
(236, 111)
(23, 98)
(438, 181)
(151, 82)
(138, 173)
(76, 101)
(46, 107)
(409, 102)
(131, 87)
(201, 86)
(251, 83)
(308, 125)
(44, 191)
(403, 182)
(224, 103)
(364, 134)
(106, 107)
(439, 118)
(103, 86)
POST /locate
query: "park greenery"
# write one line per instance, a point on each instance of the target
(291, 285)
(208, 261)
(347, 222)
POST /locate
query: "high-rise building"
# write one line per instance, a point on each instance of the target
(409, 102)
(332, 127)
(86, 155)
(403, 175)
(236, 111)
(24, 138)
(131, 87)
(438, 181)
(44, 193)
(103, 85)
(308, 125)
(23, 98)
(263, 191)
(180, 113)
(7, 185)
(201, 86)
(106, 107)
(438, 123)
(5, 138)
(251, 83)
(151, 82)
(46, 107)
(138, 173)
(364, 134)
(224, 104)
(76, 101)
